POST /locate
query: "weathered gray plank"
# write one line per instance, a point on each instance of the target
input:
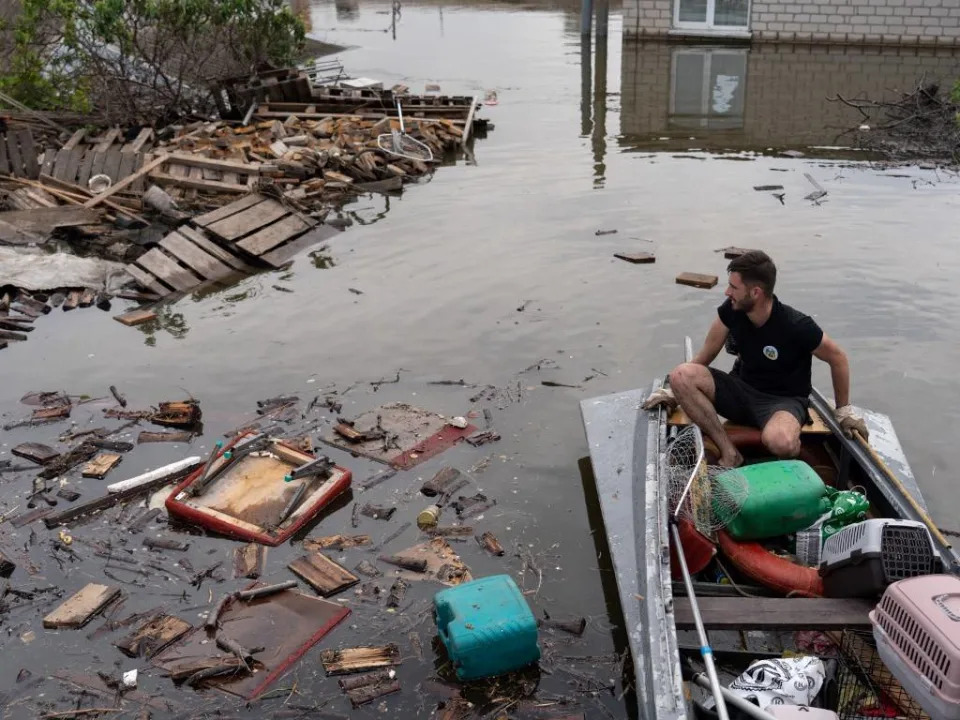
(111, 165)
(200, 239)
(272, 235)
(28, 153)
(82, 606)
(228, 210)
(147, 280)
(167, 270)
(248, 221)
(73, 165)
(782, 613)
(60, 164)
(4, 161)
(86, 165)
(126, 164)
(13, 153)
(189, 254)
(284, 253)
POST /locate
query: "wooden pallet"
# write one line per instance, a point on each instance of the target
(81, 158)
(185, 258)
(18, 155)
(258, 227)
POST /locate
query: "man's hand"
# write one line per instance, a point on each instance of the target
(851, 421)
(664, 397)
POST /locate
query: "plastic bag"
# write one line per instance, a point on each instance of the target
(781, 681)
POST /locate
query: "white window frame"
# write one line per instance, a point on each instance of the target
(705, 94)
(709, 24)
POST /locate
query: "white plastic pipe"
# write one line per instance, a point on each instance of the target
(152, 475)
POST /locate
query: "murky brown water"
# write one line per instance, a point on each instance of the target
(444, 270)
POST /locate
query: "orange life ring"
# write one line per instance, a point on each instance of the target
(698, 550)
(770, 570)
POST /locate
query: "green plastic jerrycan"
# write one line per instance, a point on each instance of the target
(783, 496)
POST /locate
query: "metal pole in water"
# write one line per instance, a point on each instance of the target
(586, 17)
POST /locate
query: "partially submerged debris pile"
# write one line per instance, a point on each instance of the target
(920, 124)
(118, 193)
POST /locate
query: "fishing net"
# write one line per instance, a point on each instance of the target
(708, 495)
(402, 145)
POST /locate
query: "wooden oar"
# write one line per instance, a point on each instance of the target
(934, 530)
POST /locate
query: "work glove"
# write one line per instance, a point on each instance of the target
(850, 421)
(662, 397)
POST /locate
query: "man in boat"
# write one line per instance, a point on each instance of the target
(769, 386)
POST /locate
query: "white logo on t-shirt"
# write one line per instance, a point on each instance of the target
(770, 352)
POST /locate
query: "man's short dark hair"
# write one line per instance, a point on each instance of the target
(756, 268)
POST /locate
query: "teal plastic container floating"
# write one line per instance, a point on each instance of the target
(487, 627)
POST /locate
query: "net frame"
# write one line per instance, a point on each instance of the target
(709, 496)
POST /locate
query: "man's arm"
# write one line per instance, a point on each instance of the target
(716, 336)
(836, 358)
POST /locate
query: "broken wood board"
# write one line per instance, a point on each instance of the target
(176, 436)
(323, 574)
(251, 219)
(226, 211)
(216, 186)
(286, 624)
(697, 280)
(100, 465)
(335, 542)
(19, 227)
(35, 452)
(79, 608)
(414, 435)
(359, 659)
(637, 257)
(153, 636)
(165, 268)
(249, 494)
(188, 253)
(136, 317)
(248, 560)
(443, 563)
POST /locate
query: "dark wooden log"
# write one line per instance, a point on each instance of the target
(413, 564)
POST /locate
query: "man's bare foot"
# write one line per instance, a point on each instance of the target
(730, 461)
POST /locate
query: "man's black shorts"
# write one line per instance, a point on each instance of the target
(744, 405)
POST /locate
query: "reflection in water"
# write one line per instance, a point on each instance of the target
(174, 323)
(322, 259)
(595, 124)
(347, 10)
(760, 97)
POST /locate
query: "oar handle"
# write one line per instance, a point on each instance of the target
(934, 530)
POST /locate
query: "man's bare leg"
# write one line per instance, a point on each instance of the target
(694, 389)
(781, 435)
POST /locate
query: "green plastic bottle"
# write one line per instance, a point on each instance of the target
(783, 496)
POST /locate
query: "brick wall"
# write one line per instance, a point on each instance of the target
(786, 87)
(886, 22)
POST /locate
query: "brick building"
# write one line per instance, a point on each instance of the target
(871, 22)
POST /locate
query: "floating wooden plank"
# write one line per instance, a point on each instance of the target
(136, 317)
(323, 574)
(100, 465)
(697, 280)
(168, 270)
(336, 542)
(77, 611)
(248, 560)
(248, 221)
(228, 210)
(28, 517)
(176, 436)
(269, 237)
(153, 636)
(735, 613)
(639, 257)
(732, 251)
(35, 452)
(199, 238)
(197, 183)
(368, 693)
(192, 256)
(359, 659)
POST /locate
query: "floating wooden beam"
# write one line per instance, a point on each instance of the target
(77, 611)
(697, 280)
(323, 574)
(359, 659)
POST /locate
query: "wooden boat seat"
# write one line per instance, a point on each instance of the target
(816, 426)
(735, 613)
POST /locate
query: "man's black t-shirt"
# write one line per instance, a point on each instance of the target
(776, 357)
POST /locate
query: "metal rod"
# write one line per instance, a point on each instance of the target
(706, 652)
(738, 702)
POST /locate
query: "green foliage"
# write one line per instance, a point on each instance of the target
(67, 51)
(955, 93)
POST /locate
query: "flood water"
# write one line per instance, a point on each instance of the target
(496, 266)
